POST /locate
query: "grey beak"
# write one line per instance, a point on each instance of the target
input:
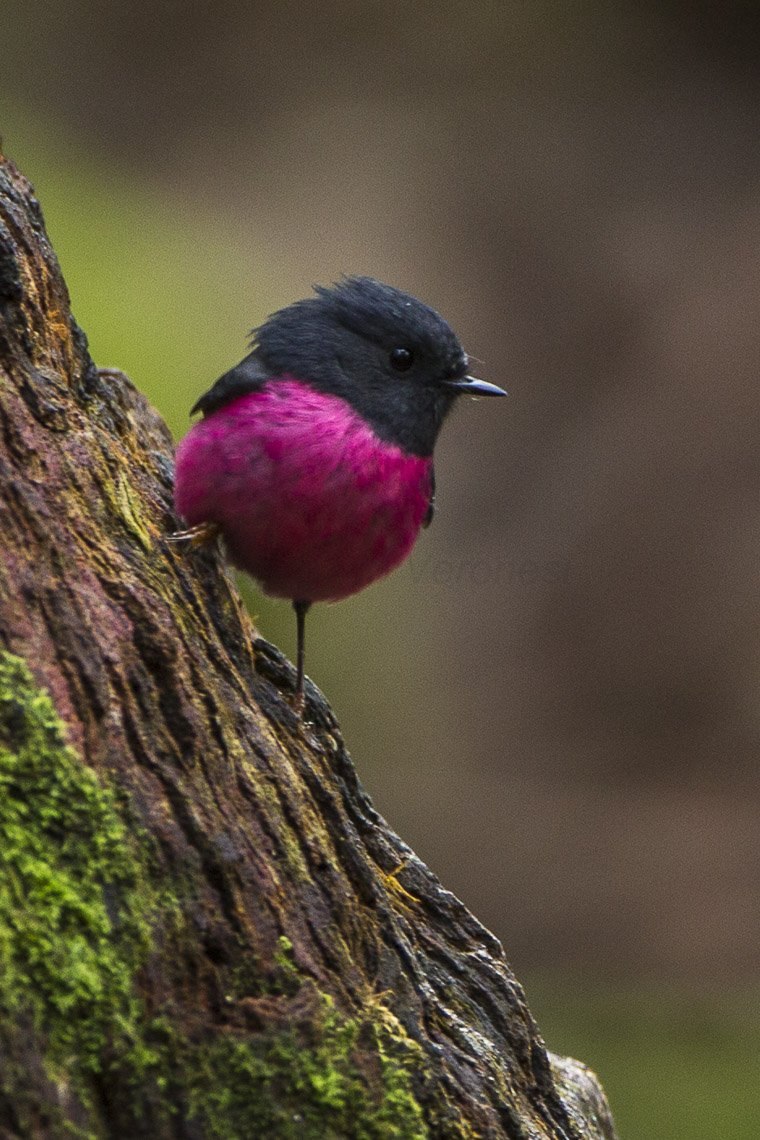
(475, 387)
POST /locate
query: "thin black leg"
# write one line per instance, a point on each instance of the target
(301, 609)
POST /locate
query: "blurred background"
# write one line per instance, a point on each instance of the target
(556, 700)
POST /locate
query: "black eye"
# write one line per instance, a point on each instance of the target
(401, 359)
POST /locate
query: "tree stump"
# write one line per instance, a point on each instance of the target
(206, 930)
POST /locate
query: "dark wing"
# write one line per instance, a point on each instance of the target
(431, 501)
(247, 376)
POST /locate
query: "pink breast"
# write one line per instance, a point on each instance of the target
(311, 503)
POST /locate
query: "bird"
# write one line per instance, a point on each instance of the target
(313, 459)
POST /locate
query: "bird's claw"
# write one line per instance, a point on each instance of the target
(201, 535)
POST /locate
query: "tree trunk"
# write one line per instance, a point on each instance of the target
(206, 930)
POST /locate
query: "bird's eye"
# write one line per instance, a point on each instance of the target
(401, 359)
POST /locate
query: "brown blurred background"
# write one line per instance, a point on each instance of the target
(555, 701)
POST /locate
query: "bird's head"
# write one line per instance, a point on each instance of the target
(394, 359)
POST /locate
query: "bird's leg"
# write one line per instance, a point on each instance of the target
(301, 609)
(201, 535)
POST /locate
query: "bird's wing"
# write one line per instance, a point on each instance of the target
(247, 376)
(431, 501)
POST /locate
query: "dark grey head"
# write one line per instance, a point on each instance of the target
(394, 359)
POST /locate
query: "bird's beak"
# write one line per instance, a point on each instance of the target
(475, 387)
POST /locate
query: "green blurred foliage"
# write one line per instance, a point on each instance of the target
(673, 1067)
(165, 292)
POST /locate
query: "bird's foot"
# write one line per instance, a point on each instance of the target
(201, 535)
(298, 703)
(392, 883)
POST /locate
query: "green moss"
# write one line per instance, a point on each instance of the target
(313, 1084)
(80, 902)
(317, 1074)
(75, 904)
(286, 977)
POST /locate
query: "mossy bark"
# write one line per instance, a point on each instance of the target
(206, 930)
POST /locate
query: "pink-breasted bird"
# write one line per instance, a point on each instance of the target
(314, 457)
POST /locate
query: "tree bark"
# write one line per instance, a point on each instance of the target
(206, 930)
